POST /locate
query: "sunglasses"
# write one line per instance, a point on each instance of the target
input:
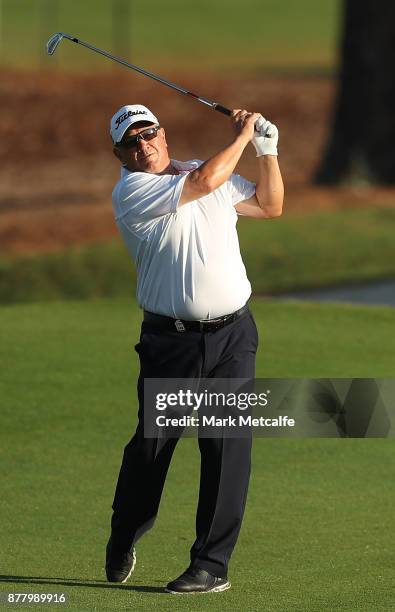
(132, 141)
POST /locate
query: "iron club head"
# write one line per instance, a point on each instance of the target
(55, 40)
(53, 43)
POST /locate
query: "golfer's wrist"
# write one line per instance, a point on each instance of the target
(268, 160)
(241, 140)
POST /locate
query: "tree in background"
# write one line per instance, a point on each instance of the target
(361, 146)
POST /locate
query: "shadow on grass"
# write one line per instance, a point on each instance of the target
(74, 582)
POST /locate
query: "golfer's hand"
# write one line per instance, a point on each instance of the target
(244, 122)
(265, 138)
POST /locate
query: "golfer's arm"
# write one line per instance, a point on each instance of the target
(267, 202)
(213, 172)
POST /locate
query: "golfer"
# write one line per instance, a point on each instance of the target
(178, 221)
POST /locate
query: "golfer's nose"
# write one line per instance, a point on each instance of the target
(142, 145)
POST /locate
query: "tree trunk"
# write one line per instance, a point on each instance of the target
(361, 144)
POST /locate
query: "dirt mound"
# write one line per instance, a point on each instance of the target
(57, 169)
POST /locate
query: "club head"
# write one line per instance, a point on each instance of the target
(53, 42)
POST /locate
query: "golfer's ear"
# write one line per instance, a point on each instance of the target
(163, 135)
(117, 153)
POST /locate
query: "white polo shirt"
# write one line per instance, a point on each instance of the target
(188, 258)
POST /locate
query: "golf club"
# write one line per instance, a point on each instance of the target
(54, 41)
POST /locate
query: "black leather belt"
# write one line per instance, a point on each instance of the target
(181, 325)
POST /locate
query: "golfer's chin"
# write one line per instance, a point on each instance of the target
(150, 163)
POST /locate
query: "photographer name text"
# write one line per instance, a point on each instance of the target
(229, 421)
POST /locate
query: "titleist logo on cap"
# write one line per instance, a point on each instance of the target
(125, 116)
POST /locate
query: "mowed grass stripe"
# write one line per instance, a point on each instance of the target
(319, 515)
(293, 252)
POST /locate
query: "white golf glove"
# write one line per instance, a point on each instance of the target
(266, 139)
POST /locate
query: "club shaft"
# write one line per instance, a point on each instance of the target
(119, 60)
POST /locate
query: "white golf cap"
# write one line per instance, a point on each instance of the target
(127, 116)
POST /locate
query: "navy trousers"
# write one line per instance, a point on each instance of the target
(228, 352)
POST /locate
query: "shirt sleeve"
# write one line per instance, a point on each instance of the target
(143, 197)
(240, 188)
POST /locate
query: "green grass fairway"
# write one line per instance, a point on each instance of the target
(317, 531)
(206, 36)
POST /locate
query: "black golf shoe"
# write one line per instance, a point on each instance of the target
(119, 564)
(195, 580)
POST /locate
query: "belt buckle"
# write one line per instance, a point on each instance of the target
(180, 327)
